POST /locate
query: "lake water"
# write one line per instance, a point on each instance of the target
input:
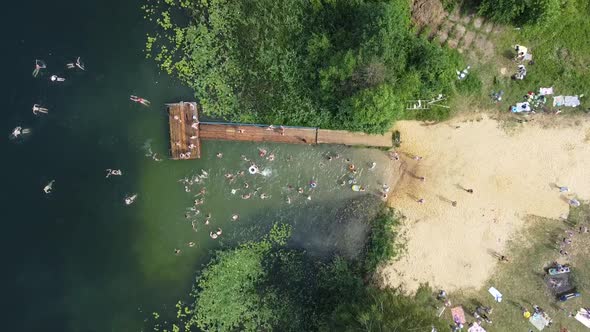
(79, 259)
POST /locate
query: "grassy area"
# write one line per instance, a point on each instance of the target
(521, 279)
(561, 54)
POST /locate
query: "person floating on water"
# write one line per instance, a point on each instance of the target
(113, 172)
(77, 64)
(38, 109)
(18, 131)
(55, 78)
(39, 64)
(140, 100)
(235, 217)
(49, 187)
(130, 199)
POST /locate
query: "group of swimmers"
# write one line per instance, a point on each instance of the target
(37, 109)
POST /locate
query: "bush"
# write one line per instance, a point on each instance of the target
(339, 64)
(520, 12)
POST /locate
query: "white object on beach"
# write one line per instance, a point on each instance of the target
(496, 294)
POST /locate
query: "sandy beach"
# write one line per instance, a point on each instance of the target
(513, 174)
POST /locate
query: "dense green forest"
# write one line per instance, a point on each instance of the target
(347, 64)
(269, 285)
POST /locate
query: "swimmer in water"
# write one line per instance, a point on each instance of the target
(16, 132)
(313, 184)
(191, 244)
(235, 217)
(300, 190)
(264, 196)
(78, 64)
(38, 109)
(244, 158)
(49, 187)
(140, 100)
(39, 64)
(246, 185)
(262, 152)
(246, 196)
(213, 235)
(271, 157)
(228, 175)
(177, 252)
(234, 191)
(219, 155)
(373, 165)
(55, 78)
(208, 219)
(130, 199)
(288, 200)
(309, 197)
(219, 231)
(199, 201)
(240, 173)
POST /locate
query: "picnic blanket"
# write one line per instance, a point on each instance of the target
(583, 317)
(476, 328)
(458, 315)
(546, 91)
(540, 321)
(569, 101)
(521, 107)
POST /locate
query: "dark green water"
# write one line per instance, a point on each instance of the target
(79, 259)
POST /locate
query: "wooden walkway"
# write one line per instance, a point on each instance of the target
(186, 132)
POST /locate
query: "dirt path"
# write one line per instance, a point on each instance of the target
(512, 175)
(469, 34)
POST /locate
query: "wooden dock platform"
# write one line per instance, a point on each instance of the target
(186, 132)
(258, 133)
(185, 142)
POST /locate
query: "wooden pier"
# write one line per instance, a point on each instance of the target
(186, 133)
(185, 142)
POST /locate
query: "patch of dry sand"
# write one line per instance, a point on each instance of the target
(512, 176)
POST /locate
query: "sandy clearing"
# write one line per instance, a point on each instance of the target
(512, 176)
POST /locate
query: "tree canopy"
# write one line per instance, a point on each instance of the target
(335, 64)
(264, 285)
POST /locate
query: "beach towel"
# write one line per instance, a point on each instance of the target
(546, 91)
(569, 101)
(572, 101)
(496, 294)
(539, 321)
(458, 315)
(476, 328)
(583, 317)
(521, 107)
